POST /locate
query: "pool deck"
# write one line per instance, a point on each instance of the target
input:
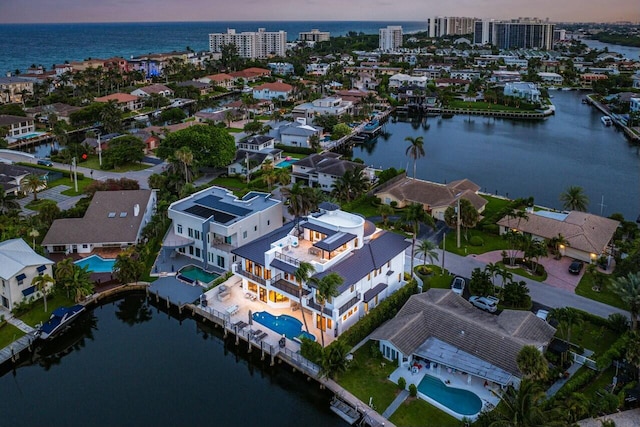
(457, 380)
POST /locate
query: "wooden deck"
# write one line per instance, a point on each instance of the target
(13, 350)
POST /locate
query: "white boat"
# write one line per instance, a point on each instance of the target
(344, 410)
(606, 120)
(60, 318)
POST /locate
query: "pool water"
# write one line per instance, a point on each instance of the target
(458, 400)
(283, 324)
(97, 264)
(196, 273)
(286, 163)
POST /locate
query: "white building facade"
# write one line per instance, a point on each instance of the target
(390, 38)
(259, 44)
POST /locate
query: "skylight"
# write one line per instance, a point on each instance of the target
(112, 215)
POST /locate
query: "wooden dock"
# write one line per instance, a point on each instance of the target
(13, 351)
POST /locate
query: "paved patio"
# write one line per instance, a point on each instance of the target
(488, 395)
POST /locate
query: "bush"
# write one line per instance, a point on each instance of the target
(296, 150)
(491, 228)
(413, 390)
(311, 350)
(393, 204)
(618, 322)
(402, 383)
(577, 382)
(476, 241)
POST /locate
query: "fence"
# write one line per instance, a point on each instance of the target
(585, 361)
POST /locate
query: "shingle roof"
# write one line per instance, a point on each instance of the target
(371, 256)
(157, 88)
(441, 314)
(583, 231)
(15, 255)
(6, 119)
(110, 218)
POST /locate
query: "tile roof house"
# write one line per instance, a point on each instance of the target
(588, 236)
(441, 327)
(203, 88)
(322, 170)
(159, 89)
(62, 111)
(124, 101)
(434, 197)
(113, 219)
(250, 74)
(271, 91)
(370, 261)
(226, 81)
(209, 224)
(19, 265)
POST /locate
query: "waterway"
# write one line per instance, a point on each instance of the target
(128, 364)
(521, 158)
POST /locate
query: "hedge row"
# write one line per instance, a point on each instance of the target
(577, 382)
(297, 150)
(65, 173)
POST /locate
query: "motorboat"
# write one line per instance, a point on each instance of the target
(344, 410)
(60, 318)
(606, 120)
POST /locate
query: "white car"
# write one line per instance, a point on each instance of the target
(489, 303)
(457, 286)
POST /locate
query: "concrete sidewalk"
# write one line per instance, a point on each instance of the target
(404, 394)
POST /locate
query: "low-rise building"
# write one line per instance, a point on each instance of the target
(158, 89)
(17, 126)
(323, 170)
(634, 105)
(61, 111)
(398, 80)
(252, 153)
(281, 68)
(551, 78)
(19, 265)
(370, 262)
(524, 90)
(114, 219)
(296, 134)
(11, 176)
(13, 89)
(124, 101)
(273, 91)
(223, 80)
(331, 106)
(208, 225)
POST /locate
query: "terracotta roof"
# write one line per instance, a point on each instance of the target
(442, 314)
(583, 231)
(98, 225)
(155, 89)
(221, 77)
(118, 97)
(275, 87)
(433, 194)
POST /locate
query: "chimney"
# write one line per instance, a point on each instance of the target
(136, 210)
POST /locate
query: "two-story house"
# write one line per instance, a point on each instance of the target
(19, 265)
(252, 152)
(296, 134)
(13, 89)
(209, 224)
(18, 126)
(323, 170)
(273, 91)
(124, 101)
(370, 262)
(158, 89)
(332, 106)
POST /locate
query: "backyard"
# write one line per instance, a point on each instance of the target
(8, 334)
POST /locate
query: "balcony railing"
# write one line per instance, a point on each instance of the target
(289, 260)
(241, 271)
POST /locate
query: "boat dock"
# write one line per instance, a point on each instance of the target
(362, 131)
(12, 351)
(617, 122)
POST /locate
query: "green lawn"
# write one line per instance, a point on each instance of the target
(486, 106)
(8, 334)
(367, 378)
(230, 182)
(593, 337)
(416, 412)
(235, 130)
(93, 162)
(605, 295)
(35, 204)
(494, 205)
(492, 242)
(437, 279)
(362, 206)
(603, 379)
(37, 314)
(522, 272)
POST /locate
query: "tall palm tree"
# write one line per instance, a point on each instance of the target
(493, 269)
(302, 274)
(185, 156)
(268, 173)
(628, 289)
(525, 408)
(567, 317)
(574, 199)
(32, 183)
(302, 200)
(532, 363)
(326, 288)
(42, 284)
(413, 215)
(283, 176)
(415, 150)
(427, 249)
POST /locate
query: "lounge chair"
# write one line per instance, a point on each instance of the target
(255, 333)
(261, 336)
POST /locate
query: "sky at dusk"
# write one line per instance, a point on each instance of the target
(36, 11)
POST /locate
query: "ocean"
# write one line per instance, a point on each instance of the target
(22, 45)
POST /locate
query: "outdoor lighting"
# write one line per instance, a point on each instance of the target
(593, 256)
(561, 246)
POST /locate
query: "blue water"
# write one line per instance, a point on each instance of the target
(46, 44)
(458, 400)
(196, 273)
(97, 264)
(286, 163)
(283, 324)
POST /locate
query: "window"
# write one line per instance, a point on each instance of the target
(268, 222)
(389, 264)
(85, 246)
(190, 232)
(220, 261)
(179, 228)
(198, 252)
(255, 228)
(190, 250)
(244, 234)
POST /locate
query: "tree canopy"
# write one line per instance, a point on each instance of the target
(211, 146)
(123, 150)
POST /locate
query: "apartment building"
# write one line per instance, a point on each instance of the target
(259, 44)
(521, 33)
(450, 25)
(314, 35)
(390, 38)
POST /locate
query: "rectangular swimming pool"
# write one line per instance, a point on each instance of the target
(97, 264)
(196, 273)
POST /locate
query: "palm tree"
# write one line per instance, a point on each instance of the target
(283, 176)
(556, 243)
(413, 215)
(7, 203)
(628, 289)
(268, 173)
(428, 250)
(574, 199)
(633, 350)
(302, 274)
(415, 150)
(185, 156)
(128, 267)
(524, 408)
(80, 282)
(42, 283)
(326, 288)
(493, 269)
(32, 183)
(334, 360)
(532, 363)
(567, 318)
(302, 200)
(385, 211)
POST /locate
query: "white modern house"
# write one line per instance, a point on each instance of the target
(401, 79)
(209, 224)
(19, 265)
(525, 90)
(114, 219)
(297, 134)
(252, 152)
(17, 126)
(332, 106)
(271, 91)
(370, 261)
(322, 170)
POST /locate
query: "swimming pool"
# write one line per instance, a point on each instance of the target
(458, 400)
(283, 324)
(286, 163)
(30, 135)
(196, 273)
(97, 264)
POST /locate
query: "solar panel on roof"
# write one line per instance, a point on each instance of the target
(214, 202)
(200, 211)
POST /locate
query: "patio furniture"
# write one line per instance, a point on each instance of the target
(233, 309)
(255, 333)
(223, 296)
(240, 325)
(262, 336)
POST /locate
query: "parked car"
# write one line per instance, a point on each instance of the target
(457, 285)
(575, 267)
(489, 303)
(45, 162)
(543, 314)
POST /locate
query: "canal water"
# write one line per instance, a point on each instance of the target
(521, 158)
(128, 364)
